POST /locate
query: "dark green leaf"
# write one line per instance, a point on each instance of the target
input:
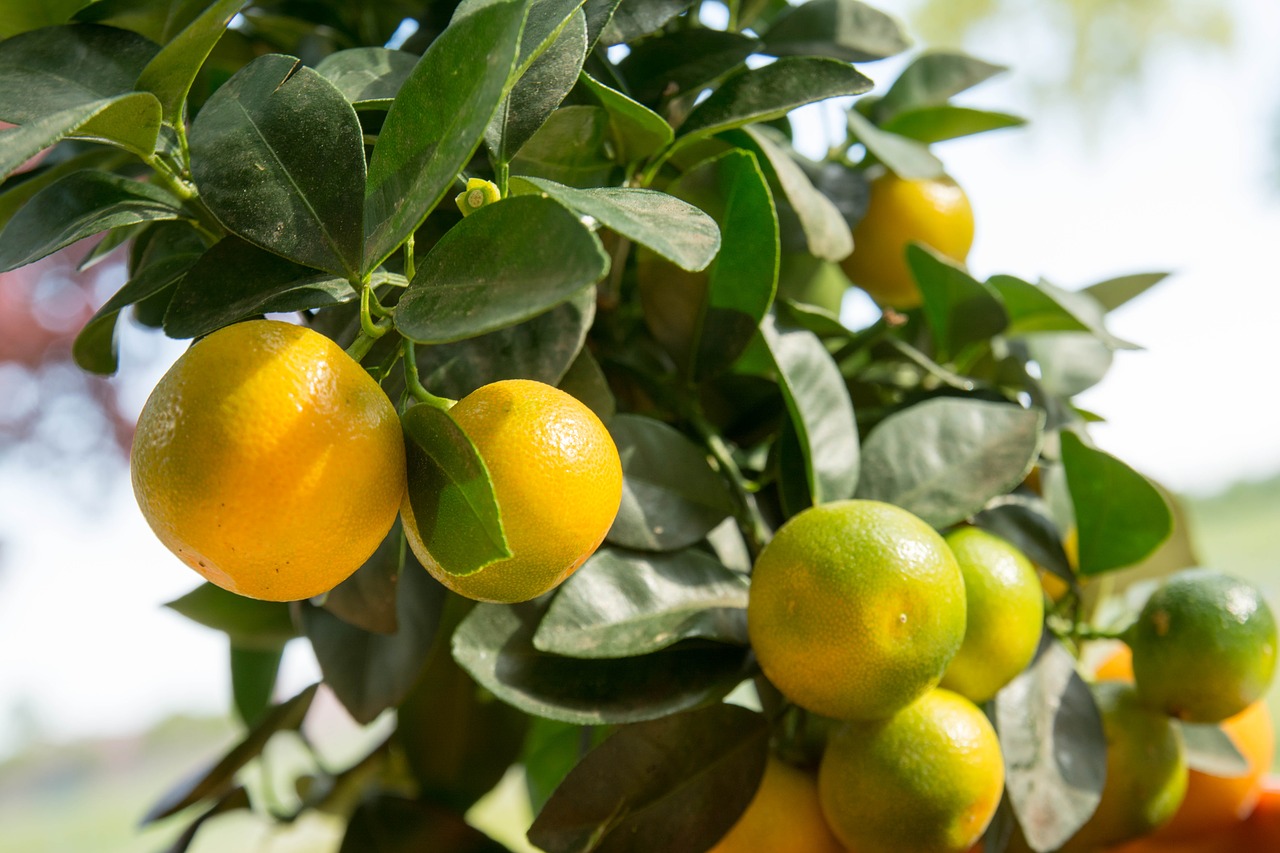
(586, 381)
(18, 18)
(621, 604)
(634, 18)
(235, 279)
(495, 644)
(368, 77)
(599, 13)
(250, 623)
(551, 750)
(943, 459)
(622, 798)
(278, 155)
(505, 263)
(128, 121)
(1114, 292)
(540, 349)
(905, 157)
(1045, 308)
(946, 121)
(569, 148)
(16, 194)
(637, 131)
(235, 799)
(673, 63)
(391, 824)
(367, 599)
(218, 779)
(447, 478)
(434, 126)
(1211, 750)
(820, 410)
(371, 672)
(158, 20)
(840, 29)
(1120, 516)
(1055, 752)
(678, 231)
(961, 310)
(770, 92)
(171, 72)
(932, 79)
(539, 91)
(76, 206)
(670, 495)
(1025, 522)
(253, 678)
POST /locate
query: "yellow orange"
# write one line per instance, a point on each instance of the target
(783, 817)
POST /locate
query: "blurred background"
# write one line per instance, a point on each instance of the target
(1153, 143)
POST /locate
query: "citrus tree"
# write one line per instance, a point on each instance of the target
(709, 567)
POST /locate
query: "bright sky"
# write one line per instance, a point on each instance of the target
(1177, 180)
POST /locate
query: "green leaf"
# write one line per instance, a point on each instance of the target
(599, 13)
(674, 229)
(1121, 517)
(386, 823)
(539, 91)
(540, 349)
(368, 77)
(670, 496)
(495, 645)
(943, 459)
(447, 478)
(19, 192)
(505, 263)
(1211, 750)
(218, 779)
(1114, 292)
(250, 623)
(1025, 522)
(586, 381)
(819, 407)
(253, 678)
(947, 121)
(905, 157)
(371, 672)
(637, 132)
(1045, 308)
(840, 29)
(235, 279)
(551, 750)
(569, 148)
(671, 64)
(128, 121)
(932, 79)
(770, 92)
(171, 72)
(437, 121)
(1070, 362)
(278, 155)
(634, 18)
(18, 18)
(1054, 748)
(159, 20)
(168, 257)
(234, 800)
(367, 599)
(622, 797)
(961, 310)
(621, 604)
(76, 206)
(826, 234)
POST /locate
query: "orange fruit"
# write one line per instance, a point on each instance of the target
(856, 608)
(557, 479)
(1004, 614)
(1258, 833)
(269, 461)
(900, 211)
(783, 817)
(928, 778)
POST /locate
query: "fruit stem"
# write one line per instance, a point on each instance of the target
(746, 511)
(1078, 631)
(414, 384)
(409, 267)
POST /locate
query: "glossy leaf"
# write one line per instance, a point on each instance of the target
(931, 79)
(1055, 752)
(621, 604)
(1025, 522)
(367, 599)
(770, 92)
(620, 799)
(1045, 308)
(819, 407)
(159, 20)
(636, 131)
(501, 265)
(278, 155)
(253, 678)
(1114, 292)
(171, 72)
(368, 77)
(551, 750)
(599, 13)
(905, 157)
(77, 206)
(495, 645)
(674, 229)
(20, 17)
(1211, 750)
(943, 459)
(1121, 517)
(128, 121)
(390, 824)
(447, 478)
(947, 121)
(673, 63)
(18, 193)
(961, 310)
(634, 18)
(840, 29)
(670, 495)
(569, 149)
(248, 622)
(432, 129)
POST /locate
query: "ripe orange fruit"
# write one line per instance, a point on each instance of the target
(1258, 833)
(928, 778)
(856, 608)
(269, 461)
(1204, 646)
(783, 817)
(558, 483)
(1005, 614)
(935, 212)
